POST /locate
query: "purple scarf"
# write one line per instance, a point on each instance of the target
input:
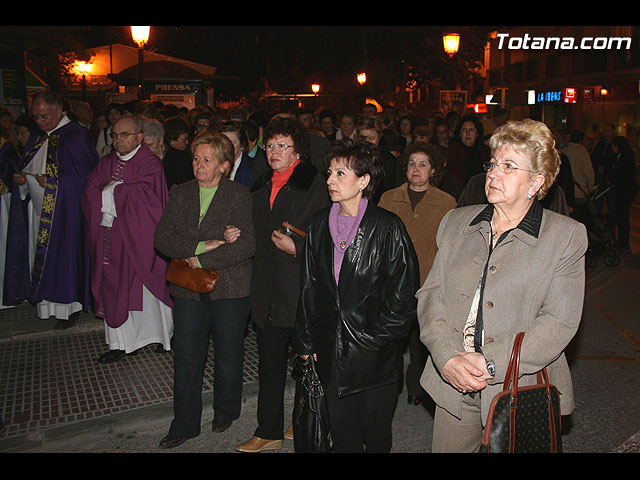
(343, 230)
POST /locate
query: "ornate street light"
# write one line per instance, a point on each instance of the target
(604, 91)
(451, 42)
(83, 68)
(140, 36)
(315, 88)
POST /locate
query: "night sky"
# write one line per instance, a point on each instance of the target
(236, 49)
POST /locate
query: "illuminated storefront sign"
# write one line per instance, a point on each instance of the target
(570, 95)
(566, 95)
(547, 97)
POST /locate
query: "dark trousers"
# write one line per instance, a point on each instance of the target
(623, 220)
(273, 351)
(418, 354)
(194, 321)
(361, 422)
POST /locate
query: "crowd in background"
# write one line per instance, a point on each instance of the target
(432, 164)
(461, 135)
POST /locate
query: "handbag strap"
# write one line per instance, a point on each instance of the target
(513, 371)
(511, 377)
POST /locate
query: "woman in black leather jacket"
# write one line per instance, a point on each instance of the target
(359, 279)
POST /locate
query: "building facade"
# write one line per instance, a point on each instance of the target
(570, 77)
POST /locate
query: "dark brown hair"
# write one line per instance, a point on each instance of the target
(361, 157)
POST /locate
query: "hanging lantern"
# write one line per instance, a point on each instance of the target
(451, 42)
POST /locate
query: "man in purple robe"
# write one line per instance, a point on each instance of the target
(47, 260)
(123, 202)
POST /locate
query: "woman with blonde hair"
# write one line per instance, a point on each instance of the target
(194, 227)
(505, 267)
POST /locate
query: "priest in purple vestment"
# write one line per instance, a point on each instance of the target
(47, 261)
(124, 200)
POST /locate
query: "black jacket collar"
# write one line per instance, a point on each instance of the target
(529, 224)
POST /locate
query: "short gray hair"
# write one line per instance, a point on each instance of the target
(153, 128)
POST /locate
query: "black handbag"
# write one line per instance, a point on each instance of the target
(311, 432)
(523, 419)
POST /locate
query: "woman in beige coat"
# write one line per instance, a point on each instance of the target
(501, 268)
(421, 206)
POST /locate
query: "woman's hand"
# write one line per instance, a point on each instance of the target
(192, 262)
(212, 244)
(283, 242)
(467, 372)
(231, 233)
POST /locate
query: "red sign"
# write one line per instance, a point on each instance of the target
(587, 95)
(478, 107)
(570, 95)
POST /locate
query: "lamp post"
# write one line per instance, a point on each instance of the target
(315, 88)
(83, 68)
(362, 78)
(451, 43)
(140, 36)
(604, 91)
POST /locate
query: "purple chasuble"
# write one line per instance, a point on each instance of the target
(61, 263)
(123, 256)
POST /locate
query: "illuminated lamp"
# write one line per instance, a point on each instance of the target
(451, 42)
(140, 35)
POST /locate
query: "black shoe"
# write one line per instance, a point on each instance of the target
(413, 400)
(114, 355)
(219, 426)
(171, 441)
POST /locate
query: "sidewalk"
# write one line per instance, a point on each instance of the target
(51, 385)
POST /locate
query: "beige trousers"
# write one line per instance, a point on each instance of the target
(458, 435)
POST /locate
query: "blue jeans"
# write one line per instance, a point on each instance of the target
(194, 321)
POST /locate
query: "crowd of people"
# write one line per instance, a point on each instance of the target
(346, 238)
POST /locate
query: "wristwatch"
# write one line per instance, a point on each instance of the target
(491, 368)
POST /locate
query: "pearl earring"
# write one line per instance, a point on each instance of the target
(529, 196)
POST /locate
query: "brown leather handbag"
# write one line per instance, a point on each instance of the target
(523, 419)
(201, 280)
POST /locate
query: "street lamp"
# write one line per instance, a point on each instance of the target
(315, 88)
(140, 36)
(451, 42)
(603, 93)
(362, 78)
(83, 68)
